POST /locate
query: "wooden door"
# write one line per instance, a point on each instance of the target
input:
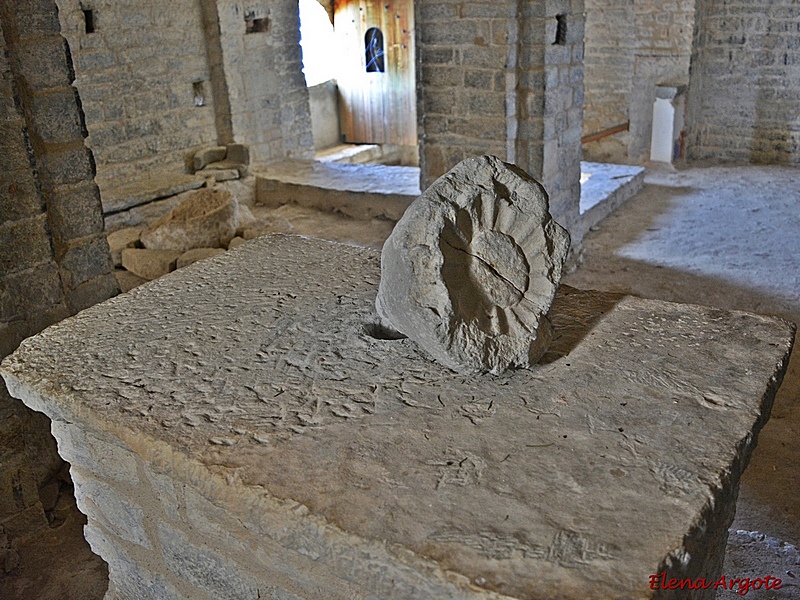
(377, 94)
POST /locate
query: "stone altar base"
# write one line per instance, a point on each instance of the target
(243, 429)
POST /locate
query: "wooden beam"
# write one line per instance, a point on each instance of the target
(593, 137)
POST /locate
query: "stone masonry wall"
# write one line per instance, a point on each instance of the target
(609, 65)
(491, 80)
(743, 101)
(54, 259)
(167, 529)
(563, 109)
(144, 82)
(631, 46)
(466, 58)
(264, 78)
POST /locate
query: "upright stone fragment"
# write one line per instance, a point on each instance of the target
(471, 269)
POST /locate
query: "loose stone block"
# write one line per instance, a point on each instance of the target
(238, 154)
(121, 239)
(127, 280)
(348, 461)
(207, 219)
(209, 155)
(471, 269)
(192, 256)
(218, 174)
(150, 264)
(237, 241)
(246, 218)
(145, 191)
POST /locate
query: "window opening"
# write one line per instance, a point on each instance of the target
(373, 50)
(255, 25)
(88, 20)
(561, 30)
(199, 93)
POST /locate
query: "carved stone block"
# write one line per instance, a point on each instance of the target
(471, 269)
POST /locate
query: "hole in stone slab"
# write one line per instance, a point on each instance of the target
(561, 30)
(255, 25)
(88, 20)
(199, 93)
(381, 332)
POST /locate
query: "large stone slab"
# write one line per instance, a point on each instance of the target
(269, 437)
(358, 191)
(147, 189)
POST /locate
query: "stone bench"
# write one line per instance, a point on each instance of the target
(244, 429)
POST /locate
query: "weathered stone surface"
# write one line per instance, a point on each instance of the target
(150, 264)
(121, 239)
(471, 269)
(350, 465)
(192, 256)
(207, 219)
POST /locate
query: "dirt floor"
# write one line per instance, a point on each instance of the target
(721, 236)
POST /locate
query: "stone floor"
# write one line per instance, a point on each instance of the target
(723, 236)
(727, 237)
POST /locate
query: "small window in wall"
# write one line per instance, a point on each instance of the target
(561, 30)
(255, 25)
(88, 20)
(373, 50)
(199, 93)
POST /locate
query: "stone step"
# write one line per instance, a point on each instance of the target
(604, 187)
(358, 191)
(383, 154)
(350, 153)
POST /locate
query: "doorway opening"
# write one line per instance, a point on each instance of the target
(358, 61)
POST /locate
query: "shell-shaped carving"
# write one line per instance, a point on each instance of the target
(471, 269)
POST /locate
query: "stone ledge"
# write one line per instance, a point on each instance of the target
(358, 191)
(351, 463)
(148, 189)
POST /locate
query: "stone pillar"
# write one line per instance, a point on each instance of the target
(263, 71)
(54, 259)
(63, 167)
(503, 78)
